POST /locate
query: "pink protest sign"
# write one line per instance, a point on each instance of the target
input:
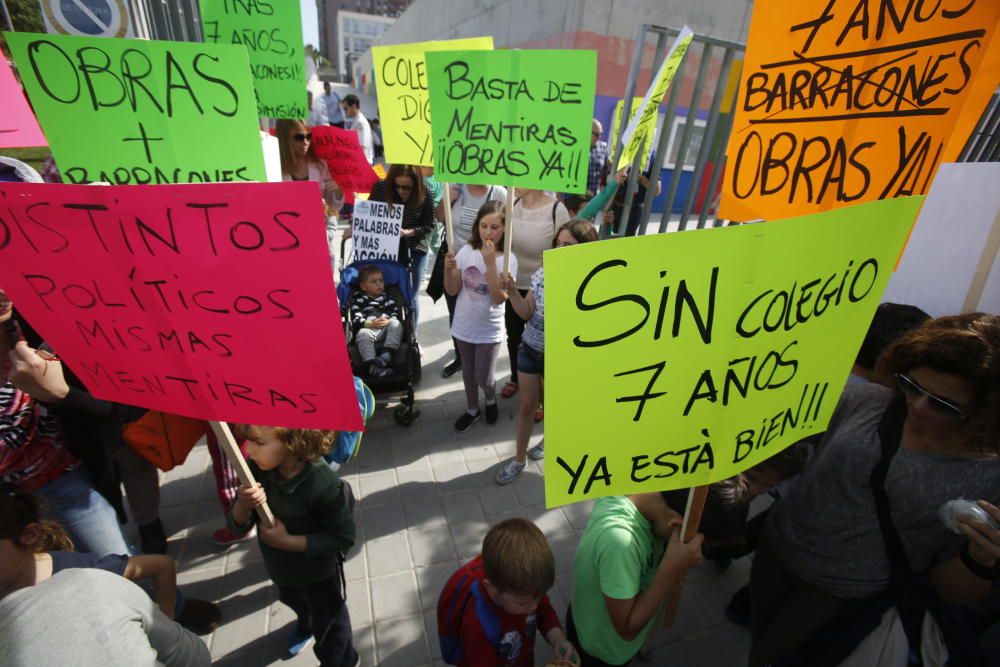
(214, 301)
(18, 126)
(343, 155)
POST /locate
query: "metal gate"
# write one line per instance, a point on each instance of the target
(984, 143)
(704, 163)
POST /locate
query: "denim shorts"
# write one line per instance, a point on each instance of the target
(530, 361)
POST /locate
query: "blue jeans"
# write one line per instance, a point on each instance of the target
(86, 515)
(418, 264)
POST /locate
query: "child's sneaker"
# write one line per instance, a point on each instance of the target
(509, 471)
(224, 537)
(298, 641)
(385, 359)
(465, 422)
(537, 453)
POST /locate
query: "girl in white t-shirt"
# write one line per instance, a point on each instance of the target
(473, 276)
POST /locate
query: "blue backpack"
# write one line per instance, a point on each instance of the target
(462, 590)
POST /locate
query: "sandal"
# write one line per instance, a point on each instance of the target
(508, 390)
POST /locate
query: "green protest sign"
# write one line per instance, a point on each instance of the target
(272, 34)
(128, 111)
(677, 360)
(512, 117)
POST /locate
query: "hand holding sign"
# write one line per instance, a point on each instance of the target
(37, 373)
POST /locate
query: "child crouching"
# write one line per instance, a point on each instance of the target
(491, 608)
(313, 527)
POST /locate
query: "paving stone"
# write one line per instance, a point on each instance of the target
(394, 595)
(377, 487)
(497, 499)
(468, 537)
(359, 603)
(401, 642)
(551, 522)
(382, 520)
(431, 546)
(431, 581)
(462, 506)
(425, 512)
(387, 555)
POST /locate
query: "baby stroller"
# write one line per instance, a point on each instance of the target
(404, 368)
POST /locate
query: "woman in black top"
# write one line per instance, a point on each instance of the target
(404, 185)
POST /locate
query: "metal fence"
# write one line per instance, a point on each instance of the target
(701, 161)
(984, 143)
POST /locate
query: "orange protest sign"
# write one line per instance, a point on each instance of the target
(848, 101)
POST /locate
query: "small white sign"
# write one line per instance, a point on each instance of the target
(87, 18)
(375, 230)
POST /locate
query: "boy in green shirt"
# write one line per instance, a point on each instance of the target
(313, 527)
(621, 576)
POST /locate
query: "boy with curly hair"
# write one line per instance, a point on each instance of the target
(313, 527)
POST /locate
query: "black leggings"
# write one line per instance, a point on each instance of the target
(515, 330)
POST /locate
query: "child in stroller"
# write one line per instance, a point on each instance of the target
(387, 364)
(374, 317)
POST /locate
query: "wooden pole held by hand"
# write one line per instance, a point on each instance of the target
(235, 456)
(508, 232)
(449, 228)
(689, 529)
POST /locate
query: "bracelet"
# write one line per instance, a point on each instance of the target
(990, 573)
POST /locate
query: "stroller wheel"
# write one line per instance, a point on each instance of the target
(405, 415)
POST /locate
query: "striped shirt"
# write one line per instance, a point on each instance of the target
(32, 447)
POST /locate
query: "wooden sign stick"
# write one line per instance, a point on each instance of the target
(692, 519)
(508, 232)
(235, 456)
(449, 229)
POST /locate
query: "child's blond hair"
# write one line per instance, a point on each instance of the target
(310, 444)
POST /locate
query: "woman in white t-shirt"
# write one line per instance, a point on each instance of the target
(535, 218)
(466, 200)
(473, 276)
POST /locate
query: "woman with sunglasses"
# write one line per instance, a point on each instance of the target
(404, 184)
(928, 434)
(299, 163)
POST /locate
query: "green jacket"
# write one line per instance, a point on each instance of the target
(308, 504)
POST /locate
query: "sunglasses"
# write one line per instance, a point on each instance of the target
(306, 136)
(914, 390)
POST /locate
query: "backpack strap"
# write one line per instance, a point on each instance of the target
(911, 599)
(487, 618)
(555, 205)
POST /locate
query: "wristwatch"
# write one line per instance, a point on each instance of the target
(977, 568)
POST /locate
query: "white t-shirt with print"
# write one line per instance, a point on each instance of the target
(477, 318)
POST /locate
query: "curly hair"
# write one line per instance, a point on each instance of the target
(18, 510)
(964, 345)
(308, 443)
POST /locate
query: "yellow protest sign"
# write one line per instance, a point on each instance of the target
(403, 103)
(848, 101)
(677, 360)
(643, 123)
(617, 120)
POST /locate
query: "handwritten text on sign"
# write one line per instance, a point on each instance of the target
(197, 300)
(642, 126)
(375, 230)
(513, 117)
(272, 34)
(18, 126)
(345, 158)
(404, 108)
(849, 101)
(128, 111)
(695, 369)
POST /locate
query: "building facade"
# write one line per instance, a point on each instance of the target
(343, 38)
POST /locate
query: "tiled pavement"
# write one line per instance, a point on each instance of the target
(426, 498)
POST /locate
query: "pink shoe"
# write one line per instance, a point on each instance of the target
(224, 537)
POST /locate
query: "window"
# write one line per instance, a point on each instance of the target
(694, 143)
